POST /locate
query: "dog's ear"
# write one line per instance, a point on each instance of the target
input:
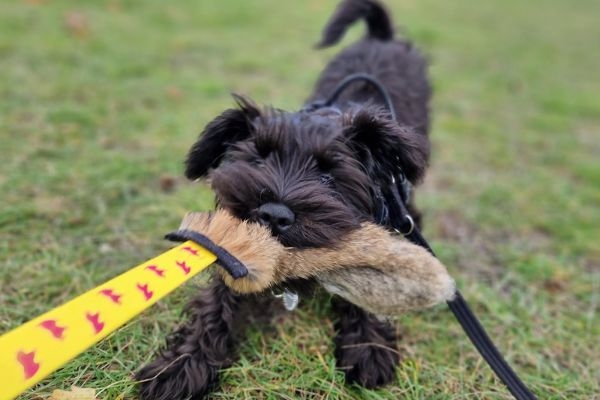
(231, 126)
(385, 147)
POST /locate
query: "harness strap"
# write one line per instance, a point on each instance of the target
(343, 85)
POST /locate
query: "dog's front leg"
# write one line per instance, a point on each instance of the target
(365, 347)
(189, 366)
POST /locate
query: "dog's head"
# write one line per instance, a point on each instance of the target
(310, 176)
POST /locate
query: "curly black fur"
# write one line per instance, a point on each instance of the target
(329, 167)
(396, 63)
(365, 348)
(188, 367)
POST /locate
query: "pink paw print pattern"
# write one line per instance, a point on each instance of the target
(34, 350)
(52, 326)
(184, 267)
(27, 361)
(159, 272)
(94, 320)
(114, 297)
(145, 291)
(190, 250)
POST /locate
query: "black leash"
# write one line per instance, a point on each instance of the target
(401, 221)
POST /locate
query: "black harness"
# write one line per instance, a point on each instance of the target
(392, 211)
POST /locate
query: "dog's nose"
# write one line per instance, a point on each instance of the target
(276, 216)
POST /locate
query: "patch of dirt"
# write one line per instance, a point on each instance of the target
(555, 284)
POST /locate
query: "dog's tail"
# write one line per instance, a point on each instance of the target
(379, 23)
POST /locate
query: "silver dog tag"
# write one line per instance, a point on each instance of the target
(290, 300)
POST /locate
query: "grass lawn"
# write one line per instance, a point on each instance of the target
(101, 100)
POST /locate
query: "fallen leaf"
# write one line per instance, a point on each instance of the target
(174, 93)
(167, 183)
(75, 393)
(77, 23)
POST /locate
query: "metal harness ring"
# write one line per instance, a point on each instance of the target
(410, 230)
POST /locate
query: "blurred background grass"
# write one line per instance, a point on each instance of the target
(101, 100)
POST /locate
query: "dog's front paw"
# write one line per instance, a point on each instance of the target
(367, 364)
(185, 377)
(188, 367)
(365, 348)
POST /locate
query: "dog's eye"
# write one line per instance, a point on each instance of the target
(326, 179)
(324, 164)
(263, 148)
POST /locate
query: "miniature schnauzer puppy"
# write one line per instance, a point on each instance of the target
(311, 176)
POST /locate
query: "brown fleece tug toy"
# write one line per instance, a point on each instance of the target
(370, 267)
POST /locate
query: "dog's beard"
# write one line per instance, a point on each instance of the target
(322, 217)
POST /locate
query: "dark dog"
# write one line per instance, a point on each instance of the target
(311, 176)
